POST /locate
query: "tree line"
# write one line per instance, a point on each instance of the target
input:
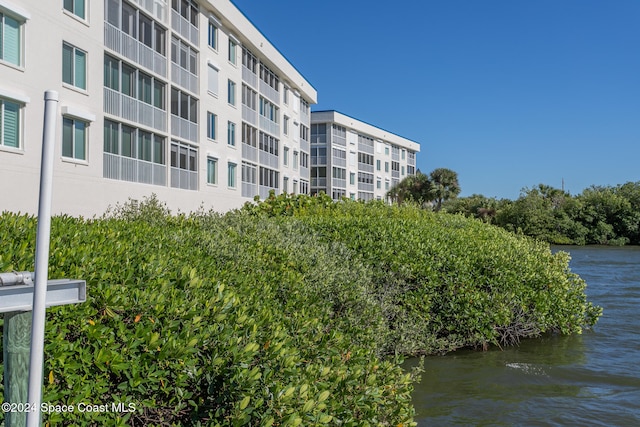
(604, 215)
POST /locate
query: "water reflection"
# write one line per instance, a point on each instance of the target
(589, 379)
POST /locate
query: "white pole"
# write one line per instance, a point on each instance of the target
(42, 258)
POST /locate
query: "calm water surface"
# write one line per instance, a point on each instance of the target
(591, 379)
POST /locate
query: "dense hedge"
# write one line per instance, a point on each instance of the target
(287, 312)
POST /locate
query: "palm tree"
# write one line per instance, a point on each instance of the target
(413, 188)
(444, 185)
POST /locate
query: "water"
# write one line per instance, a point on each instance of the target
(591, 379)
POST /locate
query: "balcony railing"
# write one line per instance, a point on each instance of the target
(134, 170)
(184, 78)
(185, 179)
(304, 172)
(250, 116)
(184, 27)
(395, 174)
(132, 109)
(183, 128)
(319, 160)
(268, 159)
(269, 126)
(249, 77)
(341, 183)
(365, 167)
(304, 145)
(157, 8)
(249, 153)
(249, 189)
(337, 161)
(364, 148)
(132, 49)
(363, 186)
(319, 182)
(264, 191)
(272, 94)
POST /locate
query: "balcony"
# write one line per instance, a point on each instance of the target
(250, 116)
(264, 191)
(341, 183)
(184, 78)
(184, 129)
(304, 145)
(249, 153)
(157, 8)
(319, 160)
(134, 110)
(185, 179)
(132, 49)
(268, 159)
(364, 167)
(269, 92)
(133, 170)
(184, 27)
(269, 126)
(319, 182)
(249, 77)
(365, 148)
(337, 161)
(249, 189)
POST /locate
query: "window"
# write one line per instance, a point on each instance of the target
(74, 139)
(269, 77)
(213, 80)
(187, 9)
(212, 170)
(377, 164)
(386, 166)
(213, 35)
(231, 134)
(77, 7)
(9, 124)
(403, 154)
(231, 175)
(184, 105)
(286, 125)
(184, 166)
(10, 40)
(74, 66)
(285, 96)
(135, 24)
(352, 178)
(269, 110)
(295, 160)
(285, 159)
(402, 170)
(386, 151)
(249, 97)
(211, 125)
(123, 78)
(378, 184)
(231, 92)
(232, 51)
(249, 60)
(184, 56)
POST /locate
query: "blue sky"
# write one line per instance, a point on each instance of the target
(508, 93)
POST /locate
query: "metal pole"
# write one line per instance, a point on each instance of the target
(42, 257)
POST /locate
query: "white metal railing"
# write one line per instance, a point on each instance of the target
(337, 161)
(184, 78)
(268, 159)
(184, 128)
(132, 49)
(339, 140)
(363, 186)
(134, 110)
(249, 153)
(337, 182)
(318, 182)
(365, 148)
(157, 8)
(249, 115)
(249, 189)
(304, 172)
(184, 27)
(269, 126)
(134, 170)
(364, 167)
(249, 77)
(395, 174)
(272, 94)
(304, 146)
(185, 179)
(319, 160)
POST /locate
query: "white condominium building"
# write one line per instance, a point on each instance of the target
(350, 158)
(183, 98)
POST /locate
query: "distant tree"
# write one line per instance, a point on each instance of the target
(416, 188)
(444, 185)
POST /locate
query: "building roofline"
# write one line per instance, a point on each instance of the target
(276, 48)
(366, 123)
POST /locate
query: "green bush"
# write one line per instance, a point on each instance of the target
(288, 312)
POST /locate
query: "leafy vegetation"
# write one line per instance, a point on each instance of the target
(599, 215)
(441, 185)
(293, 311)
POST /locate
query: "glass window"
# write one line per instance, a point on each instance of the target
(74, 139)
(213, 80)
(10, 43)
(212, 170)
(286, 156)
(9, 124)
(231, 175)
(77, 7)
(211, 125)
(213, 36)
(233, 52)
(231, 92)
(74, 66)
(231, 134)
(352, 178)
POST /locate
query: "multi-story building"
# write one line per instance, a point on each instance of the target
(185, 99)
(350, 158)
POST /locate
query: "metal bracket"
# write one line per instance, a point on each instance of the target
(16, 291)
